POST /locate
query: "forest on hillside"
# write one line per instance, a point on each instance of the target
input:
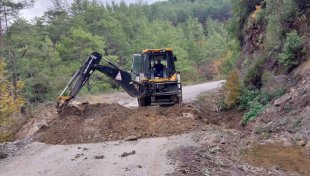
(42, 54)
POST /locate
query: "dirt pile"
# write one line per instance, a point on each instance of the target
(106, 122)
(37, 118)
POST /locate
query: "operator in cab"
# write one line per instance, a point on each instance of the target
(158, 69)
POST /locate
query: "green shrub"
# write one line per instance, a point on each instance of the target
(291, 51)
(253, 76)
(261, 17)
(231, 58)
(273, 33)
(289, 10)
(246, 97)
(264, 97)
(254, 101)
(255, 108)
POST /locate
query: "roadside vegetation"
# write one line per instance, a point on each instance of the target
(271, 45)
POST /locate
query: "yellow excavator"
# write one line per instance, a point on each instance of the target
(153, 79)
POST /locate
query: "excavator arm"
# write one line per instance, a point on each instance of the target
(80, 78)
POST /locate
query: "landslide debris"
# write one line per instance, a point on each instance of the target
(106, 122)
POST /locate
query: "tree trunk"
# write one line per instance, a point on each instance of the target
(1, 37)
(11, 58)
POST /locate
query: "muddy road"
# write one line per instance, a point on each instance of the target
(106, 138)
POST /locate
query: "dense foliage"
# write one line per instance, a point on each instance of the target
(45, 52)
(291, 51)
(267, 33)
(9, 104)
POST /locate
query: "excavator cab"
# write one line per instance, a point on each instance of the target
(163, 86)
(144, 65)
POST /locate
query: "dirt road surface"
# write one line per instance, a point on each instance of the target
(96, 159)
(189, 94)
(130, 158)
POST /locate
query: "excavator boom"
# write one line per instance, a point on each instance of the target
(80, 78)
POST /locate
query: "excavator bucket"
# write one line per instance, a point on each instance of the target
(62, 101)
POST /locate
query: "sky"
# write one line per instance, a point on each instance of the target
(42, 5)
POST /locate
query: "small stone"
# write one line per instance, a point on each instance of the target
(78, 156)
(276, 167)
(183, 171)
(308, 145)
(222, 141)
(131, 138)
(125, 154)
(280, 101)
(99, 157)
(269, 125)
(241, 168)
(187, 115)
(214, 149)
(3, 155)
(85, 103)
(302, 143)
(139, 166)
(207, 173)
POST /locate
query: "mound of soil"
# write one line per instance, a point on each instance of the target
(106, 122)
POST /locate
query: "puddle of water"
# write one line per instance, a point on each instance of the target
(291, 158)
